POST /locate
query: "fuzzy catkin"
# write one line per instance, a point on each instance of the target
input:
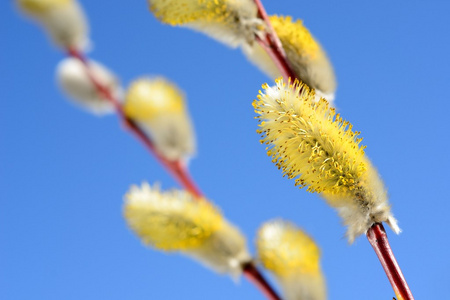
(63, 20)
(176, 221)
(306, 56)
(293, 257)
(172, 220)
(74, 81)
(232, 22)
(313, 145)
(158, 107)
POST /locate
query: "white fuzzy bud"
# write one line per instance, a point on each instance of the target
(76, 84)
(63, 20)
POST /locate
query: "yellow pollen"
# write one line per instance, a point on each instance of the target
(171, 220)
(294, 35)
(40, 6)
(148, 98)
(187, 11)
(308, 141)
(286, 250)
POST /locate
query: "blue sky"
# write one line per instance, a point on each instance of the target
(64, 172)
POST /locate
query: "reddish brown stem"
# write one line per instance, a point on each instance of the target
(272, 45)
(376, 234)
(253, 275)
(379, 241)
(175, 168)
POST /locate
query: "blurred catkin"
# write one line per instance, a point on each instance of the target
(158, 107)
(293, 257)
(231, 22)
(75, 83)
(307, 58)
(63, 20)
(176, 221)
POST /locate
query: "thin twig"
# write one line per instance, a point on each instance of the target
(376, 234)
(253, 275)
(379, 241)
(272, 45)
(175, 168)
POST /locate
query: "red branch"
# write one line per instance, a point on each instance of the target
(272, 45)
(253, 275)
(376, 234)
(175, 168)
(379, 241)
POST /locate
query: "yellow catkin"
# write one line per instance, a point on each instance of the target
(229, 21)
(313, 145)
(171, 220)
(148, 98)
(308, 141)
(294, 258)
(158, 108)
(40, 6)
(294, 34)
(185, 11)
(305, 55)
(284, 249)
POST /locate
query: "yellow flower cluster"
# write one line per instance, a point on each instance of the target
(307, 58)
(176, 221)
(293, 257)
(149, 98)
(285, 249)
(158, 107)
(172, 220)
(40, 6)
(308, 141)
(312, 144)
(229, 21)
(295, 37)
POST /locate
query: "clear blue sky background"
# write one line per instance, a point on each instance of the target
(64, 172)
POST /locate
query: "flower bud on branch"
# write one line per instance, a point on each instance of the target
(307, 58)
(75, 82)
(158, 107)
(293, 257)
(232, 22)
(312, 144)
(63, 20)
(176, 221)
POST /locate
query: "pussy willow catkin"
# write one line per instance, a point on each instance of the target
(158, 106)
(306, 56)
(176, 221)
(293, 257)
(63, 20)
(231, 22)
(313, 145)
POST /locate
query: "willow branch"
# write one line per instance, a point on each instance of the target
(379, 241)
(272, 45)
(254, 276)
(176, 168)
(376, 234)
